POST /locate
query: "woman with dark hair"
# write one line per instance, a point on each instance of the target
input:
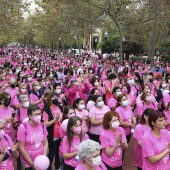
(156, 143)
(69, 111)
(32, 138)
(113, 141)
(109, 85)
(140, 130)
(95, 84)
(52, 119)
(90, 101)
(126, 90)
(96, 115)
(127, 118)
(81, 112)
(71, 142)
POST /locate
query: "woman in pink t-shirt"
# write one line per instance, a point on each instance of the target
(6, 114)
(89, 154)
(96, 115)
(126, 90)
(81, 112)
(36, 96)
(32, 138)
(156, 143)
(140, 130)
(7, 156)
(71, 142)
(147, 102)
(52, 119)
(127, 118)
(90, 102)
(113, 141)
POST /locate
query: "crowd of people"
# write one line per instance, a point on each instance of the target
(81, 111)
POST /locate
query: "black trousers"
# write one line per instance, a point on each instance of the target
(28, 168)
(138, 168)
(94, 137)
(54, 151)
(110, 168)
(68, 167)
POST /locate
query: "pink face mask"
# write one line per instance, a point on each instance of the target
(37, 119)
(77, 130)
(149, 99)
(124, 91)
(71, 115)
(23, 91)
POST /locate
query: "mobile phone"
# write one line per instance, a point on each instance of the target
(13, 115)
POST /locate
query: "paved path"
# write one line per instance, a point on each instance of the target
(129, 156)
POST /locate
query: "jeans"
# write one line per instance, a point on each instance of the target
(54, 151)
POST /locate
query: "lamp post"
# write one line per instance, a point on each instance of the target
(75, 39)
(123, 40)
(96, 41)
(59, 41)
(105, 38)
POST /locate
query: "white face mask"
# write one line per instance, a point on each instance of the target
(115, 125)
(26, 104)
(97, 161)
(164, 85)
(96, 83)
(118, 93)
(125, 103)
(30, 78)
(100, 104)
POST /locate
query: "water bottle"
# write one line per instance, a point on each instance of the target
(76, 158)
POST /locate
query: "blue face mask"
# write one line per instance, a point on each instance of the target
(125, 103)
(58, 91)
(100, 104)
(81, 106)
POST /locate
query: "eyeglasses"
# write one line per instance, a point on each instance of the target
(38, 114)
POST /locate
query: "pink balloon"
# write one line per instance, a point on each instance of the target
(41, 162)
(64, 125)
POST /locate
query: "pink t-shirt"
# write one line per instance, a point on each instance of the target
(90, 104)
(154, 146)
(7, 164)
(107, 140)
(142, 106)
(4, 113)
(100, 167)
(126, 115)
(167, 119)
(74, 147)
(140, 130)
(23, 114)
(33, 136)
(166, 98)
(34, 98)
(83, 114)
(98, 114)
